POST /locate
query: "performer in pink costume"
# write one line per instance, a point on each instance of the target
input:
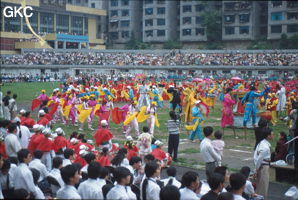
(227, 111)
(91, 103)
(124, 113)
(104, 114)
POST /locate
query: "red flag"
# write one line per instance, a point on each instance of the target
(117, 115)
(35, 104)
(54, 109)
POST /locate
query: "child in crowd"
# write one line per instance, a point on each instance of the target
(218, 144)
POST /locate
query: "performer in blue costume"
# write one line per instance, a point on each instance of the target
(130, 93)
(156, 96)
(198, 118)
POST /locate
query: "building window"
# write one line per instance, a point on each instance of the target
(229, 6)
(230, 30)
(125, 34)
(148, 1)
(33, 22)
(114, 24)
(114, 35)
(92, 5)
(292, 16)
(276, 4)
(114, 3)
(161, 22)
(292, 4)
(125, 13)
(160, 1)
(292, 28)
(199, 19)
(276, 29)
(200, 7)
(148, 11)
(200, 31)
(62, 23)
(244, 29)
(149, 22)
(186, 8)
(124, 23)
(186, 32)
(161, 33)
(77, 25)
(229, 18)
(12, 24)
(277, 16)
(124, 2)
(244, 18)
(86, 26)
(149, 33)
(47, 23)
(161, 10)
(114, 13)
(186, 20)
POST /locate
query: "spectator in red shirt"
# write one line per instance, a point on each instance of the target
(42, 119)
(28, 121)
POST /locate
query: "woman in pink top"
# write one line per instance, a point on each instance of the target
(227, 117)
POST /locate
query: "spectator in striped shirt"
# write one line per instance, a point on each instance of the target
(173, 125)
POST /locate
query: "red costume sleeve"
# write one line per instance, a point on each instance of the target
(35, 103)
(104, 161)
(45, 145)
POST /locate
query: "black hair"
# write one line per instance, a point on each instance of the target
(93, 170)
(105, 190)
(208, 130)
(149, 157)
(121, 172)
(263, 122)
(57, 162)
(237, 181)
(68, 172)
(13, 160)
(145, 129)
(20, 194)
(73, 135)
(4, 123)
(14, 96)
(245, 171)
(221, 170)
(228, 90)
(105, 151)
(188, 178)
(8, 92)
(214, 180)
(89, 157)
(218, 134)
(6, 164)
(284, 135)
(67, 153)
(35, 174)
(121, 154)
(169, 192)
(104, 172)
(81, 136)
(38, 154)
(12, 127)
(173, 115)
(78, 166)
(267, 132)
(225, 196)
(22, 154)
(27, 114)
(134, 159)
(171, 171)
(150, 169)
(45, 109)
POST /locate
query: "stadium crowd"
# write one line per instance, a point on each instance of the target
(150, 59)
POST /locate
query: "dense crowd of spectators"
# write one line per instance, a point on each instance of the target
(151, 59)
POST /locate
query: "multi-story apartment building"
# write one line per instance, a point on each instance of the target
(159, 20)
(125, 18)
(282, 18)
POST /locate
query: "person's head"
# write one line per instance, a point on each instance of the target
(5, 166)
(245, 171)
(191, 180)
(169, 192)
(104, 123)
(121, 154)
(208, 130)
(104, 173)
(57, 162)
(171, 171)
(27, 114)
(135, 162)
(223, 170)
(14, 96)
(283, 135)
(268, 134)
(12, 128)
(173, 115)
(21, 194)
(216, 182)
(68, 154)
(89, 157)
(93, 170)
(263, 123)
(70, 175)
(24, 156)
(5, 123)
(152, 170)
(145, 129)
(38, 154)
(74, 135)
(122, 175)
(105, 151)
(228, 90)
(8, 92)
(237, 182)
(218, 134)
(148, 158)
(225, 196)
(35, 174)
(253, 88)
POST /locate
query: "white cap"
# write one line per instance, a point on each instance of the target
(37, 127)
(128, 87)
(158, 143)
(171, 86)
(59, 131)
(104, 122)
(83, 152)
(197, 102)
(129, 138)
(74, 140)
(22, 111)
(47, 131)
(92, 86)
(15, 120)
(154, 86)
(104, 88)
(83, 147)
(54, 135)
(41, 112)
(90, 141)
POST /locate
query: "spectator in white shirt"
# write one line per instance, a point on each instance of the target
(262, 156)
(12, 144)
(149, 188)
(23, 133)
(216, 184)
(89, 157)
(71, 177)
(136, 169)
(38, 165)
(169, 192)
(89, 189)
(190, 186)
(23, 176)
(249, 189)
(208, 153)
(56, 174)
(13, 106)
(68, 157)
(171, 172)
(36, 176)
(237, 182)
(121, 190)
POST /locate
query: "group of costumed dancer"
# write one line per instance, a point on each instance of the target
(74, 104)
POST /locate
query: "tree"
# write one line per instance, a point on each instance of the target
(293, 42)
(284, 43)
(172, 45)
